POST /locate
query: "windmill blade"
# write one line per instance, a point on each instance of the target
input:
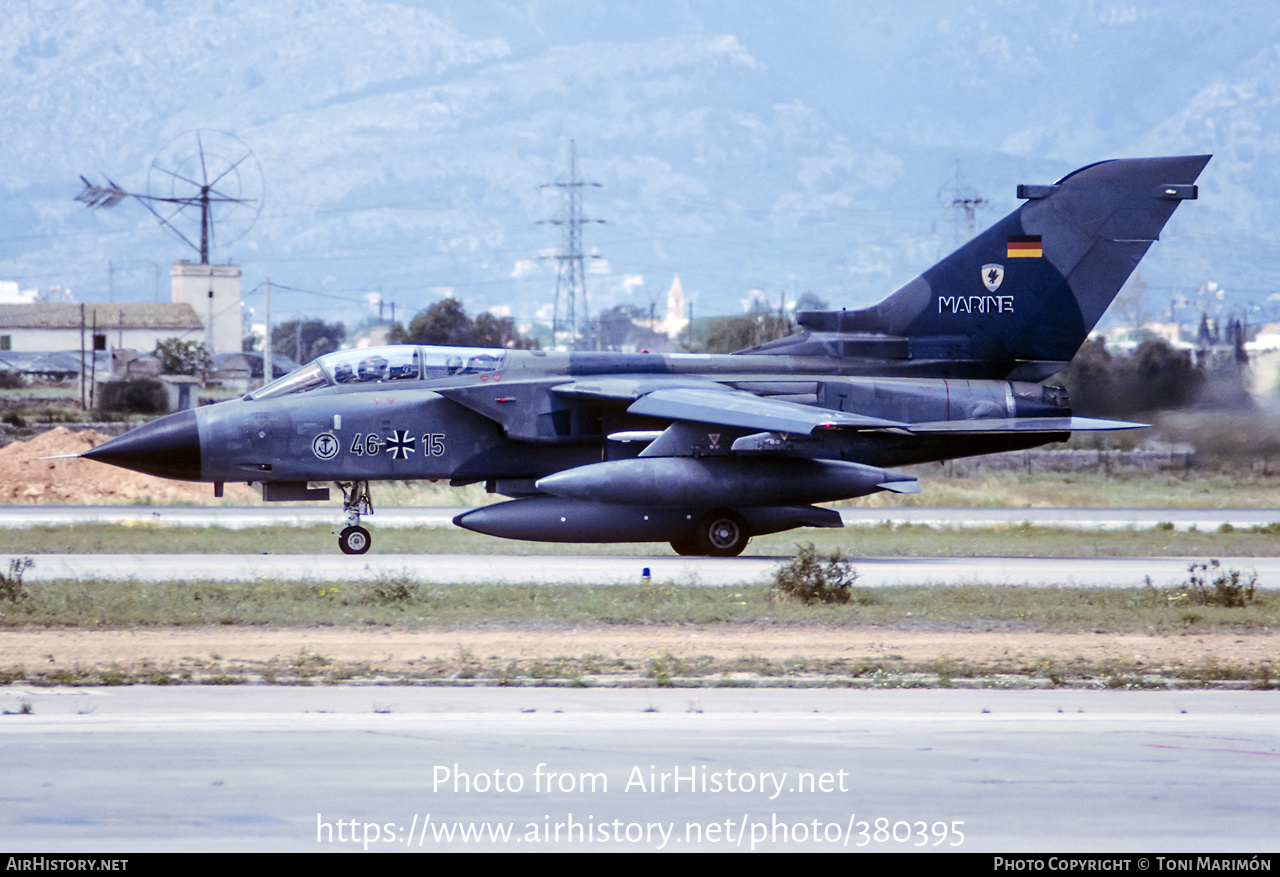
(215, 180)
(174, 215)
(168, 224)
(175, 175)
(204, 171)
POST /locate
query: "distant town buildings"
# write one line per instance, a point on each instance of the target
(41, 335)
(205, 307)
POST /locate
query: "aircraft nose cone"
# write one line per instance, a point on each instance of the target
(168, 448)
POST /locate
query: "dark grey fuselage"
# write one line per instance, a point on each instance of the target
(511, 425)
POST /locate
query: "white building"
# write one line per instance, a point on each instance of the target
(51, 326)
(677, 315)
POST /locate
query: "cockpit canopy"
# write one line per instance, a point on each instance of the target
(372, 365)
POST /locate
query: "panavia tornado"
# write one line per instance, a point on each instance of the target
(706, 451)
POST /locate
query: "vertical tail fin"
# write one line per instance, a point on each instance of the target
(1029, 289)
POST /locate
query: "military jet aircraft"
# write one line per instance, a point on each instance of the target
(706, 451)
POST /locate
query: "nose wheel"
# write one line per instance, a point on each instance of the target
(354, 540)
(356, 501)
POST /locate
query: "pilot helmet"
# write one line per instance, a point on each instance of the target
(373, 368)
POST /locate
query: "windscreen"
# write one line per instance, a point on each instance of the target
(309, 377)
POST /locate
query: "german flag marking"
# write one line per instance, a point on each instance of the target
(1025, 246)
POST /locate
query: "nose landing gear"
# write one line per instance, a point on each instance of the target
(355, 539)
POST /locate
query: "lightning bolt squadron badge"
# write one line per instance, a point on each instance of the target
(992, 276)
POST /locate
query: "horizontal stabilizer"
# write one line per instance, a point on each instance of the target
(1025, 424)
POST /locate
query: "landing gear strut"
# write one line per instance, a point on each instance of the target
(355, 539)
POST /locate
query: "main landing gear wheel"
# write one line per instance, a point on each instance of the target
(722, 533)
(354, 540)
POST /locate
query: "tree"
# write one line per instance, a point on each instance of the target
(302, 341)
(1155, 378)
(810, 301)
(625, 326)
(179, 357)
(731, 334)
(446, 324)
(135, 396)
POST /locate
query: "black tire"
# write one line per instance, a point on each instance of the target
(722, 533)
(354, 540)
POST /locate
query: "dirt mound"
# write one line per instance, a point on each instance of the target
(26, 479)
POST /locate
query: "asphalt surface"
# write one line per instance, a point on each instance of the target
(390, 768)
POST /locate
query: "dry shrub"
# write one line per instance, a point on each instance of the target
(808, 579)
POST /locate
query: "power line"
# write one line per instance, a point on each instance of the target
(966, 200)
(571, 280)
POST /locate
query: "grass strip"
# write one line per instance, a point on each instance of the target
(408, 605)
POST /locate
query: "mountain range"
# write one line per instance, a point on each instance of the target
(756, 150)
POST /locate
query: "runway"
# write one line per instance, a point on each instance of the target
(426, 770)
(241, 517)
(670, 570)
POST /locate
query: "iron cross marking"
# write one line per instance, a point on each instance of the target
(400, 446)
